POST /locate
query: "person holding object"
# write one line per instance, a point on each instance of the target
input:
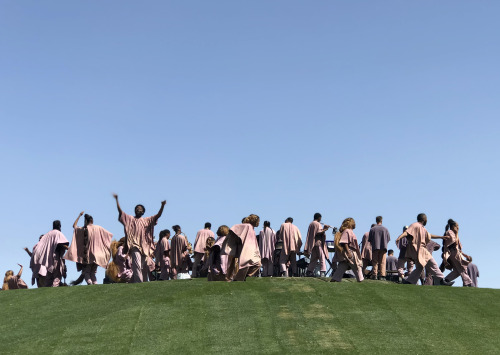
(140, 239)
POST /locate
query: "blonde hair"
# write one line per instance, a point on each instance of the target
(209, 245)
(223, 231)
(253, 219)
(8, 275)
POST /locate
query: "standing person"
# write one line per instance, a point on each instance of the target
(163, 255)
(347, 253)
(418, 237)
(402, 259)
(292, 242)
(89, 248)
(11, 282)
(140, 239)
(366, 252)
(47, 263)
(200, 244)
(217, 262)
(242, 250)
(179, 253)
(454, 254)
(473, 273)
(267, 242)
(315, 248)
(391, 264)
(379, 238)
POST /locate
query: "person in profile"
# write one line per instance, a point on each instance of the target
(473, 273)
(11, 282)
(315, 247)
(418, 237)
(347, 253)
(292, 242)
(199, 247)
(379, 238)
(140, 239)
(267, 242)
(391, 265)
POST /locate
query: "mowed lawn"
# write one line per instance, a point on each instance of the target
(259, 316)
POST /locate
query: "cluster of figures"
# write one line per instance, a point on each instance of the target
(235, 253)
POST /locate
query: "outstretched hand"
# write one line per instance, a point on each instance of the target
(115, 196)
(81, 213)
(20, 265)
(164, 202)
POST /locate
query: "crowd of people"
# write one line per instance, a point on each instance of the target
(233, 254)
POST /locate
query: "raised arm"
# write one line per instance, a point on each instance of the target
(28, 251)
(77, 218)
(158, 215)
(405, 233)
(20, 271)
(118, 206)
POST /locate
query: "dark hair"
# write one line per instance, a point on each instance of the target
(243, 220)
(373, 225)
(451, 223)
(267, 224)
(56, 225)
(208, 225)
(88, 219)
(378, 219)
(176, 228)
(317, 215)
(164, 233)
(143, 208)
(390, 252)
(421, 217)
(289, 219)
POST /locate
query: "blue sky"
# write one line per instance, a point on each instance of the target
(282, 108)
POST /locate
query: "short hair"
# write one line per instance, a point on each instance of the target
(421, 217)
(390, 252)
(176, 228)
(143, 208)
(317, 215)
(378, 219)
(56, 224)
(223, 231)
(289, 219)
(208, 225)
(163, 233)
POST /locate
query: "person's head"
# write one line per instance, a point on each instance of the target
(165, 234)
(223, 231)
(88, 219)
(378, 220)
(253, 219)
(289, 220)
(452, 225)
(267, 224)
(317, 217)
(139, 210)
(56, 225)
(422, 218)
(8, 275)
(390, 252)
(208, 225)
(243, 220)
(348, 223)
(176, 228)
(405, 228)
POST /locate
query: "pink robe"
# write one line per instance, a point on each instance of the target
(162, 256)
(241, 243)
(45, 259)
(217, 263)
(139, 232)
(349, 238)
(292, 241)
(267, 242)
(16, 283)
(451, 240)
(98, 250)
(200, 242)
(178, 251)
(366, 251)
(418, 237)
(312, 240)
(124, 265)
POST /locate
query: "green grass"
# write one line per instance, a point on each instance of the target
(259, 316)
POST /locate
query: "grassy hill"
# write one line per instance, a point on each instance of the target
(259, 316)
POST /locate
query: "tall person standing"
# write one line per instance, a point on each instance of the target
(379, 238)
(315, 247)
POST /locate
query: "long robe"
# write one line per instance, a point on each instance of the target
(418, 237)
(139, 232)
(217, 263)
(242, 243)
(314, 240)
(366, 247)
(291, 238)
(349, 238)
(98, 250)
(453, 248)
(178, 251)
(200, 242)
(267, 242)
(162, 255)
(45, 258)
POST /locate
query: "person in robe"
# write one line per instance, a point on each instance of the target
(206, 257)
(200, 244)
(90, 248)
(11, 282)
(391, 264)
(315, 248)
(179, 253)
(418, 237)
(120, 268)
(473, 273)
(217, 262)
(267, 242)
(163, 255)
(379, 238)
(454, 257)
(140, 239)
(426, 278)
(292, 242)
(366, 253)
(347, 253)
(242, 250)
(47, 263)
(402, 259)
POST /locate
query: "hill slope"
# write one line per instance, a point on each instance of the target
(261, 316)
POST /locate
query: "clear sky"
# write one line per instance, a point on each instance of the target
(226, 108)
